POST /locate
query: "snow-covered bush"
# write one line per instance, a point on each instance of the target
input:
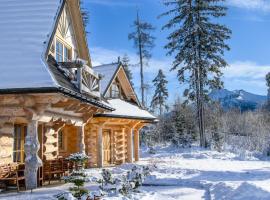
(217, 141)
(78, 177)
(151, 150)
(79, 159)
(126, 183)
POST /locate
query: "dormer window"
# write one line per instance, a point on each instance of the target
(63, 52)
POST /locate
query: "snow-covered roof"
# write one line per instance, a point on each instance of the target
(128, 110)
(107, 71)
(26, 27)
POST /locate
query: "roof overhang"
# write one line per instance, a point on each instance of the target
(61, 90)
(149, 120)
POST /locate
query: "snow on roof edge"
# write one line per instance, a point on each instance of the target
(49, 40)
(128, 110)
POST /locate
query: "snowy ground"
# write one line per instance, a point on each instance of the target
(192, 174)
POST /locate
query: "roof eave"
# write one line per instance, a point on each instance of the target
(56, 90)
(151, 120)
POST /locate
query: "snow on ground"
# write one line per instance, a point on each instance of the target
(190, 174)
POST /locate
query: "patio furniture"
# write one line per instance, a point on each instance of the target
(12, 173)
(53, 170)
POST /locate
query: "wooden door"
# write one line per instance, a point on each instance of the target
(106, 147)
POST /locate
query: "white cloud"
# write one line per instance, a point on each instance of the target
(263, 5)
(246, 75)
(104, 56)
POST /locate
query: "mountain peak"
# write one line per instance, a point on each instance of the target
(237, 99)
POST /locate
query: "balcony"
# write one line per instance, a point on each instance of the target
(83, 77)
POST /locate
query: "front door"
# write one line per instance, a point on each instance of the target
(107, 147)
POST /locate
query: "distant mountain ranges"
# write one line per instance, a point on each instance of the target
(239, 99)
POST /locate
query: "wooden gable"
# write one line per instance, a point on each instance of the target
(126, 90)
(70, 33)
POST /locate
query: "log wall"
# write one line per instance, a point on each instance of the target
(50, 146)
(91, 145)
(6, 143)
(71, 141)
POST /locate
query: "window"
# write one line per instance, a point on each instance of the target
(19, 141)
(67, 54)
(115, 90)
(59, 51)
(63, 53)
(61, 140)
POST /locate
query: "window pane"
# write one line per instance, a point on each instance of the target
(115, 91)
(59, 51)
(19, 141)
(67, 54)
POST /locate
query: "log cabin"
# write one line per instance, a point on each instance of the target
(53, 102)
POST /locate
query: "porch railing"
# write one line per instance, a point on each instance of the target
(83, 77)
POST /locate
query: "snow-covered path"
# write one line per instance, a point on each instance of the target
(190, 174)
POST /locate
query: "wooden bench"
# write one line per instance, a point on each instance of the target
(56, 169)
(52, 168)
(12, 172)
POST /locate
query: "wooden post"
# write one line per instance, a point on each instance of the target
(124, 146)
(32, 161)
(129, 145)
(136, 144)
(81, 131)
(79, 78)
(100, 146)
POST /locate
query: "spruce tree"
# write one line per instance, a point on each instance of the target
(126, 66)
(144, 42)
(161, 92)
(197, 43)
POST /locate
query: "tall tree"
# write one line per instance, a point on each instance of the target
(126, 65)
(268, 85)
(197, 42)
(144, 42)
(84, 13)
(161, 93)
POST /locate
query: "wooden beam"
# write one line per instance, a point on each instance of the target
(129, 145)
(136, 144)
(100, 146)
(63, 117)
(123, 144)
(12, 111)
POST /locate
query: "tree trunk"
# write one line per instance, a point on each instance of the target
(141, 59)
(201, 84)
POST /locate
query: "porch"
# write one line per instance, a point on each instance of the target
(112, 141)
(39, 131)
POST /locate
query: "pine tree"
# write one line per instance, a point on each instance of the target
(85, 14)
(198, 45)
(126, 65)
(144, 42)
(161, 93)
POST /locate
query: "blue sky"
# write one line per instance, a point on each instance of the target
(249, 58)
